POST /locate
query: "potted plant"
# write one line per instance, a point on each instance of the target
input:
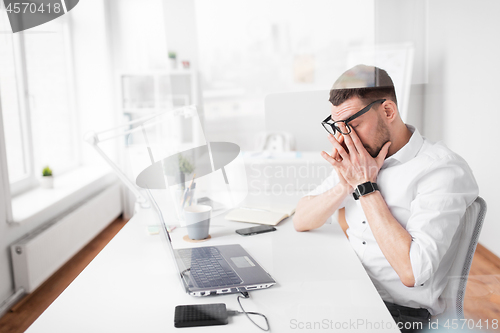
(177, 168)
(185, 168)
(47, 180)
(172, 57)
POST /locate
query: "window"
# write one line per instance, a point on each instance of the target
(36, 92)
(15, 132)
(251, 48)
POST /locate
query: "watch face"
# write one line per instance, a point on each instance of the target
(365, 188)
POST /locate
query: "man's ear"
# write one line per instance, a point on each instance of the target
(390, 110)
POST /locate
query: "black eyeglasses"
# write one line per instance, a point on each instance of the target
(333, 127)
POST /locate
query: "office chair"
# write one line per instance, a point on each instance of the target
(454, 292)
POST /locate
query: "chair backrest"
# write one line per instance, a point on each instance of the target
(454, 293)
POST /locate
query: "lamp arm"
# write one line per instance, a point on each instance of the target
(93, 140)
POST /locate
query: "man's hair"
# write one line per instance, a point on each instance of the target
(368, 83)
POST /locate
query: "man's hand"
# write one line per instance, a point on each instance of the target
(313, 211)
(335, 154)
(356, 166)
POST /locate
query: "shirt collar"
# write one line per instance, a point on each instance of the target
(408, 151)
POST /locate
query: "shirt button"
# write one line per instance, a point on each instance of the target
(364, 242)
(364, 222)
(422, 285)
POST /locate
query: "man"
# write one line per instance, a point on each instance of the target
(403, 195)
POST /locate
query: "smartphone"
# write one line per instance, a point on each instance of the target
(255, 230)
(200, 315)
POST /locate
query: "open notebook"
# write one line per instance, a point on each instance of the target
(261, 214)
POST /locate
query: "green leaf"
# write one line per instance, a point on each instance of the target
(47, 172)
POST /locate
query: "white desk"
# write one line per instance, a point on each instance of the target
(132, 286)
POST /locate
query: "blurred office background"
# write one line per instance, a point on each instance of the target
(107, 62)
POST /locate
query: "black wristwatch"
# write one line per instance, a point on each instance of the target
(364, 189)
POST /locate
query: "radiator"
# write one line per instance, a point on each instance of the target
(41, 253)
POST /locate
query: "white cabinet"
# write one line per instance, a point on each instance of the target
(152, 92)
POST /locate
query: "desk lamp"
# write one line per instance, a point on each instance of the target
(94, 138)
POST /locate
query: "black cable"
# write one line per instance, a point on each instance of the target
(246, 295)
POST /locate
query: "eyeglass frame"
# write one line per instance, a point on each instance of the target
(351, 118)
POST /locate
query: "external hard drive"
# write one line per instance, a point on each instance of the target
(200, 315)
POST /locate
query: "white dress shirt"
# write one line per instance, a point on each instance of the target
(427, 188)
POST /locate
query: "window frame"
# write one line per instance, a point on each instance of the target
(31, 179)
(5, 189)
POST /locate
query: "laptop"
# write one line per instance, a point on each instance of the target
(215, 270)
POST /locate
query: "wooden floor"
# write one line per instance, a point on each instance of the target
(482, 298)
(482, 295)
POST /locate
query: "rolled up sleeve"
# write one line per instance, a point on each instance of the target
(443, 193)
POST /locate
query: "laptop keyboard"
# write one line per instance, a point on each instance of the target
(208, 268)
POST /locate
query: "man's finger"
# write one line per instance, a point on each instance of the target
(335, 153)
(382, 154)
(339, 136)
(347, 139)
(339, 148)
(349, 144)
(357, 142)
(329, 159)
(342, 142)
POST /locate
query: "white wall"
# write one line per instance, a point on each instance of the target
(138, 35)
(462, 106)
(410, 19)
(179, 15)
(459, 70)
(6, 280)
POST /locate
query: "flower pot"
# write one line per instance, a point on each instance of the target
(47, 182)
(172, 63)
